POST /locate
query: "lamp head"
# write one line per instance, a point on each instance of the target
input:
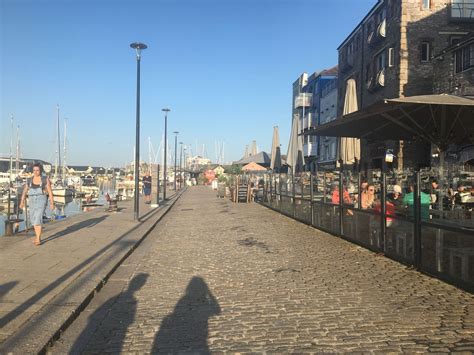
(138, 48)
(176, 132)
(165, 110)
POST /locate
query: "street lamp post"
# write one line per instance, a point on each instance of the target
(175, 155)
(181, 165)
(138, 49)
(165, 110)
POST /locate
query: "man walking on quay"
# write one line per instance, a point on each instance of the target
(147, 187)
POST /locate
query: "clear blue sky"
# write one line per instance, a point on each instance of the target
(224, 67)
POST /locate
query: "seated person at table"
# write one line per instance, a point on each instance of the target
(335, 195)
(367, 197)
(458, 196)
(409, 203)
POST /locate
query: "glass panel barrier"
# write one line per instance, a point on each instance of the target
(287, 206)
(303, 210)
(326, 216)
(399, 240)
(362, 227)
(318, 186)
(449, 253)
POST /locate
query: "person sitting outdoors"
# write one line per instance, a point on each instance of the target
(393, 204)
(458, 196)
(335, 195)
(409, 203)
(367, 198)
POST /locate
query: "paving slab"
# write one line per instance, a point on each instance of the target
(42, 288)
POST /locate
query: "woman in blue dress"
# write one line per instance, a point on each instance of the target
(37, 188)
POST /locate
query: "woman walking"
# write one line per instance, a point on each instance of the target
(37, 187)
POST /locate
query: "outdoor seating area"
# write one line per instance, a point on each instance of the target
(420, 218)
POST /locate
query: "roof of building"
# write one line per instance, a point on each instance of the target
(372, 10)
(253, 166)
(261, 158)
(330, 71)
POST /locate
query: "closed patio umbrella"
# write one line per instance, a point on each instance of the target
(275, 145)
(349, 148)
(295, 147)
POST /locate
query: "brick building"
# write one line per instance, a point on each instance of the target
(454, 68)
(390, 54)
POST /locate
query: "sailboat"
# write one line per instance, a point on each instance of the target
(58, 187)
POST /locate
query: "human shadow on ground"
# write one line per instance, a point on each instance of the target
(75, 227)
(186, 329)
(113, 317)
(6, 287)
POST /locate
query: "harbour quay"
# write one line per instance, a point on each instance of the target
(215, 276)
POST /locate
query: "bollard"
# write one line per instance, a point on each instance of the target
(9, 224)
(8, 228)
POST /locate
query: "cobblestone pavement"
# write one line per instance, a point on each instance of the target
(216, 276)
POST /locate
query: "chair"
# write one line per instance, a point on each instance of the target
(113, 206)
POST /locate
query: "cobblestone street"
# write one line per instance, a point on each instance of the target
(214, 276)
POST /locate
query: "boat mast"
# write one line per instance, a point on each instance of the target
(17, 149)
(11, 148)
(58, 147)
(149, 154)
(64, 158)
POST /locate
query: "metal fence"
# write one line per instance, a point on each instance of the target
(426, 226)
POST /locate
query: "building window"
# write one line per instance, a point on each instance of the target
(391, 57)
(464, 58)
(426, 4)
(425, 51)
(462, 9)
(455, 39)
(381, 16)
(380, 61)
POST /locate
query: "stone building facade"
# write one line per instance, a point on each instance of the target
(453, 68)
(390, 54)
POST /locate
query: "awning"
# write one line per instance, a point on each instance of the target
(437, 119)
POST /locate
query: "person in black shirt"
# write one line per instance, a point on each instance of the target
(147, 187)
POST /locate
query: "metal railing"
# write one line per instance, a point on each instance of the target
(433, 236)
(462, 10)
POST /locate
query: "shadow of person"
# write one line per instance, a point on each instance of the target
(114, 316)
(75, 227)
(186, 329)
(6, 287)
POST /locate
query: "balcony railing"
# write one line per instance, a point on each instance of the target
(462, 10)
(303, 100)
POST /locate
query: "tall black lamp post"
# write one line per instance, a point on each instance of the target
(165, 173)
(138, 49)
(180, 165)
(175, 155)
(184, 164)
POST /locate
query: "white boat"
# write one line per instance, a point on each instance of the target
(62, 191)
(62, 200)
(4, 178)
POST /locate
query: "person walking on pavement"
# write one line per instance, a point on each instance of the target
(37, 188)
(147, 187)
